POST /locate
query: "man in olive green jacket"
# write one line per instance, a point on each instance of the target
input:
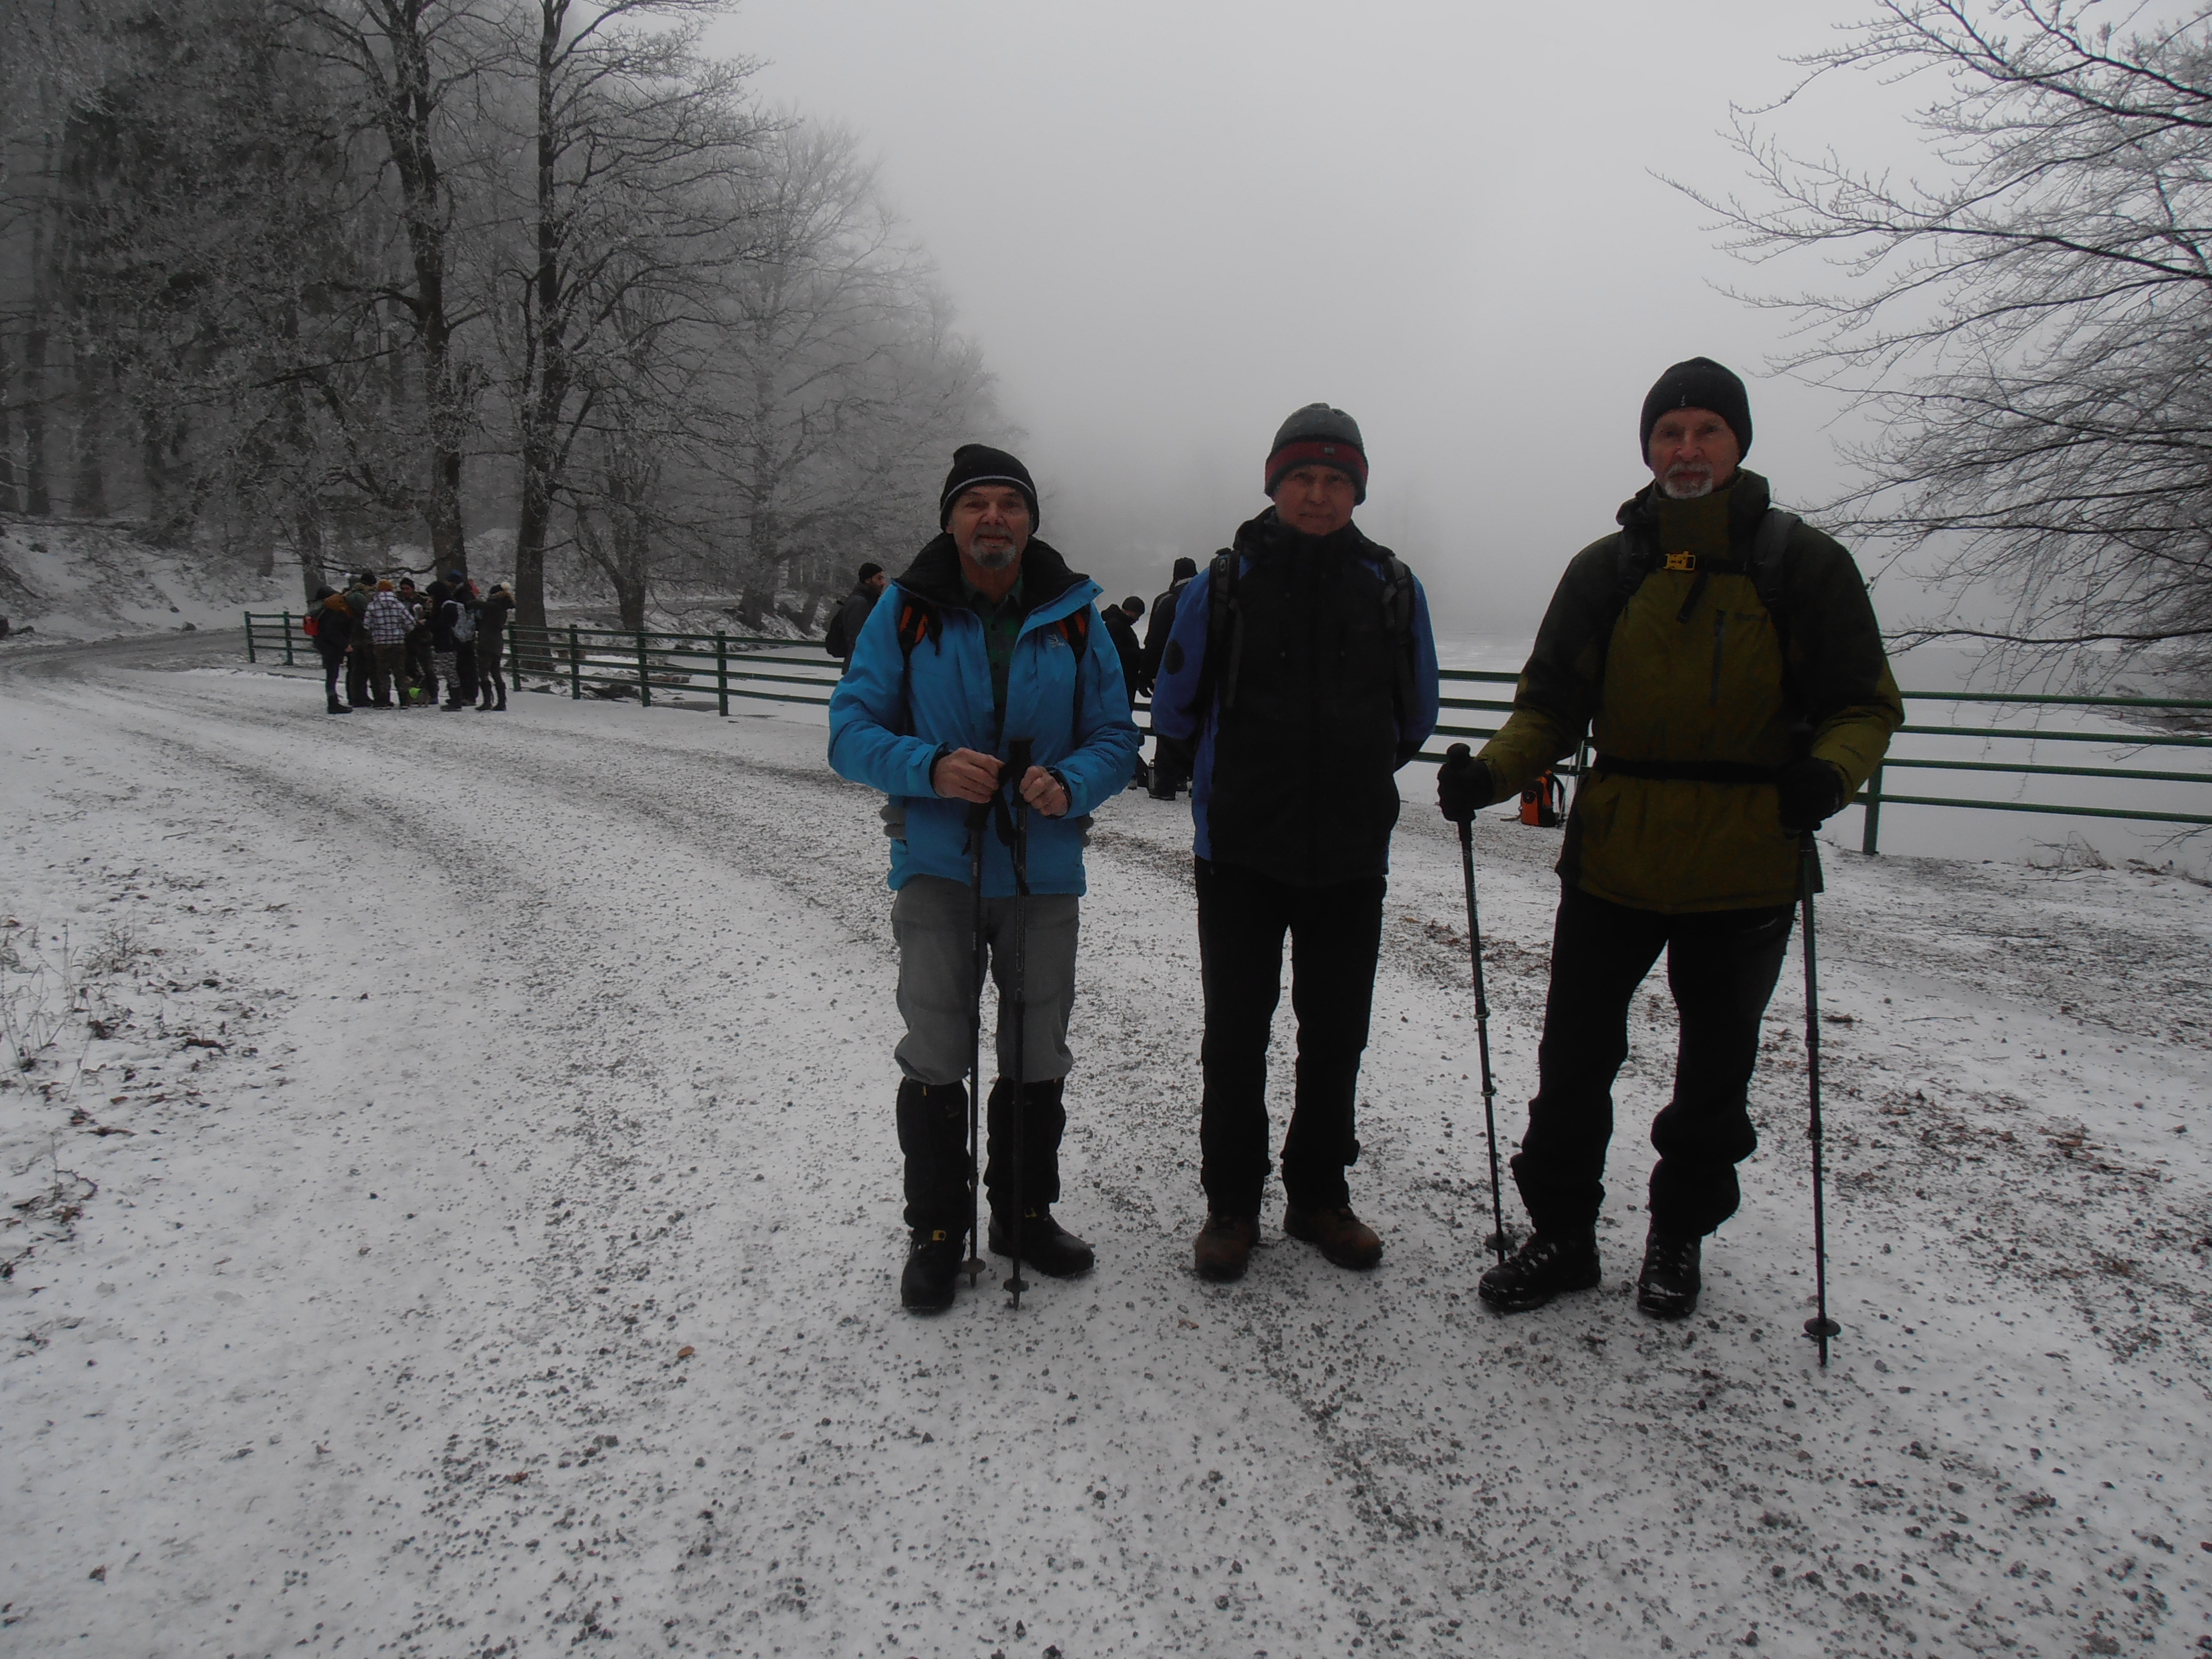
(1725, 660)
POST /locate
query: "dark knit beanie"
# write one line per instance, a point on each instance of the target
(1318, 435)
(1132, 607)
(980, 463)
(1183, 567)
(870, 569)
(1698, 383)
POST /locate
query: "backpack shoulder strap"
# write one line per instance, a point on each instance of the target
(1770, 542)
(1398, 627)
(1225, 632)
(918, 620)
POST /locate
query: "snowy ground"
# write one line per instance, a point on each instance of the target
(478, 1192)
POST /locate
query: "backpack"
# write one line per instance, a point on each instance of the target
(833, 637)
(921, 619)
(1769, 543)
(465, 623)
(310, 626)
(1224, 628)
(1542, 799)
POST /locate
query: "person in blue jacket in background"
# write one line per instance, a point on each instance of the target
(988, 639)
(1303, 663)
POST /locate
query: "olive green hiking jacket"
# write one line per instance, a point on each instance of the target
(1687, 667)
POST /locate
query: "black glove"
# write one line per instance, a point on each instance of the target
(1464, 785)
(1812, 792)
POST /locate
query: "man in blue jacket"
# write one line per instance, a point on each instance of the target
(987, 640)
(1303, 663)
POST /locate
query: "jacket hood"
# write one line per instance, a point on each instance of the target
(935, 574)
(1748, 505)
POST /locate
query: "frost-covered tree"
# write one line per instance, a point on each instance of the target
(2032, 329)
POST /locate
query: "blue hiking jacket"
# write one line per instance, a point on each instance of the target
(894, 715)
(1329, 810)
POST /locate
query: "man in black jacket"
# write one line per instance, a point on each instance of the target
(1325, 654)
(1171, 758)
(1119, 620)
(844, 630)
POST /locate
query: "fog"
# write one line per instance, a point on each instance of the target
(1169, 225)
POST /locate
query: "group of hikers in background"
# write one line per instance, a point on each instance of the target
(396, 645)
(1721, 656)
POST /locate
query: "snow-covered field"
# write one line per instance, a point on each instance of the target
(461, 1217)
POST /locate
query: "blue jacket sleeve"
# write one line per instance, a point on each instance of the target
(1106, 739)
(868, 716)
(1177, 686)
(1426, 691)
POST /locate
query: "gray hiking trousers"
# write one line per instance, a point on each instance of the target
(933, 920)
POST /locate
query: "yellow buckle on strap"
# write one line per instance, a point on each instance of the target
(1681, 562)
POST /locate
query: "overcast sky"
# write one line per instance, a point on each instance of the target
(1169, 225)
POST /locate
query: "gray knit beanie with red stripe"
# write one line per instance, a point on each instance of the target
(1318, 435)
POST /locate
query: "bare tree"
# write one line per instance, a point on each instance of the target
(413, 62)
(627, 122)
(2031, 331)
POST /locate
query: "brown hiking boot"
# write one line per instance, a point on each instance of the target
(1344, 1238)
(1223, 1246)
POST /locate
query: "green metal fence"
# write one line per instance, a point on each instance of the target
(652, 664)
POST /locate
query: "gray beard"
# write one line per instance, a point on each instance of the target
(1686, 491)
(996, 558)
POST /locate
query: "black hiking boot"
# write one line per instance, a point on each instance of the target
(1046, 1245)
(1546, 1267)
(338, 707)
(1668, 1284)
(931, 1264)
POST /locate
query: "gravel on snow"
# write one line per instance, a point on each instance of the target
(459, 1214)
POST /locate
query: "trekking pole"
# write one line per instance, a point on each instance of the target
(1458, 751)
(1018, 763)
(1820, 1327)
(973, 1266)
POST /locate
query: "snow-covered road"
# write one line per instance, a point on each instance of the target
(468, 1188)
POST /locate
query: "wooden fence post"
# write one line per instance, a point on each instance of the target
(644, 684)
(250, 657)
(288, 638)
(575, 666)
(722, 670)
(1870, 841)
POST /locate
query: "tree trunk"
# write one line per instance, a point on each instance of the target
(7, 498)
(547, 373)
(37, 495)
(408, 115)
(88, 479)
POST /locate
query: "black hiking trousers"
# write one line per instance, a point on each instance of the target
(1721, 966)
(1335, 933)
(334, 663)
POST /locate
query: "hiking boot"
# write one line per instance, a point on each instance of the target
(1547, 1265)
(1046, 1245)
(1668, 1284)
(932, 1265)
(1344, 1238)
(338, 707)
(1223, 1246)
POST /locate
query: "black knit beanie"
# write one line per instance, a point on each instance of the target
(1318, 435)
(1697, 383)
(871, 568)
(1183, 567)
(980, 463)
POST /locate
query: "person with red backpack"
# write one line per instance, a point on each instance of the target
(984, 699)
